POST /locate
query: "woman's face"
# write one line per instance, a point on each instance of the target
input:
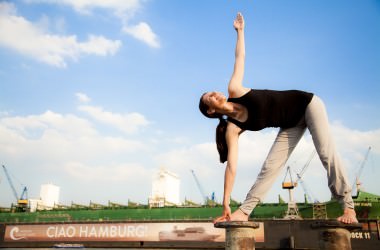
(215, 100)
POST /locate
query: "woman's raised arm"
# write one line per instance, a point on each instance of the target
(235, 86)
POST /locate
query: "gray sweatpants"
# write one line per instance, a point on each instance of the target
(316, 121)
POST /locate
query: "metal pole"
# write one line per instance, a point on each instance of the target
(240, 235)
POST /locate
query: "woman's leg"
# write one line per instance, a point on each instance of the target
(283, 146)
(318, 125)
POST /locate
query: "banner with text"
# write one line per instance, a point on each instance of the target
(179, 231)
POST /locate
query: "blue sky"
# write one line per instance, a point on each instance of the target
(96, 96)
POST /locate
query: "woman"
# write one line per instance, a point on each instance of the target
(292, 111)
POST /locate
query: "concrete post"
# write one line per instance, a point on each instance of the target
(240, 235)
(334, 235)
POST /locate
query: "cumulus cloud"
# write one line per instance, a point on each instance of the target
(83, 98)
(125, 10)
(51, 134)
(109, 172)
(128, 123)
(108, 181)
(28, 126)
(29, 39)
(118, 7)
(143, 32)
(70, 148)
(352, 141)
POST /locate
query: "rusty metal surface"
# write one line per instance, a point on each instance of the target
(237, 224)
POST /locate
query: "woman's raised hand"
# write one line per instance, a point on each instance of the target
(239, 22)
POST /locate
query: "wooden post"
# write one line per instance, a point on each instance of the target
(334, 235)
(240, 235)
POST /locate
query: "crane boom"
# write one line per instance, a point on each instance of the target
(306, 165)
(363, 163)
(11, 183)
(204, 197)
(310, 197)
(356, 182)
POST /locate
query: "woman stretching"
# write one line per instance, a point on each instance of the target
(292, 111)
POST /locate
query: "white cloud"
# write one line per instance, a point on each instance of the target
(118, 7)
(69, 149)
(122, 9)
(119, 172)
(143, 32)
(128, 123)
(66, 124)
(29, 39)
(350, 141)
(99, 45)
(83, 98)
(55, 137)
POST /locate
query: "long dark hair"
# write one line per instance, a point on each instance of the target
(221, 143)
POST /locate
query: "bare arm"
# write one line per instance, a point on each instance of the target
(232, 137)
(235, 86)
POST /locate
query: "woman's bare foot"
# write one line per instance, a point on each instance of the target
(238, 215)
(348, 217)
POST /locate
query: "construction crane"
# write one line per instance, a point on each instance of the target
(319, 209)
(288, 184)
(356, 182)
(22, 201)
(292, 212)
(299, 179)
(206, 199)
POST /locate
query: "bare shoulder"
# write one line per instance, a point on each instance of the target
(233, 130)
(238, 92)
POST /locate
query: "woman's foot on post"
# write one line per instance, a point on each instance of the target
(348, 217)
(239, 215)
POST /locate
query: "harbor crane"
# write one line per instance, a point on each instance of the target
(310, 197)
(356, 182)
(319, 209)
(206, 199)
(292, 212)
(22, 201)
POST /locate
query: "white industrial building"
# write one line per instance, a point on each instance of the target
(49, 197)
(49, 194)
(165, 189)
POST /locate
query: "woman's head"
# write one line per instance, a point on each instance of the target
(210, 102)
(207, 105)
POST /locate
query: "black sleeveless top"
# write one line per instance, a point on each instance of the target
(271, 108)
